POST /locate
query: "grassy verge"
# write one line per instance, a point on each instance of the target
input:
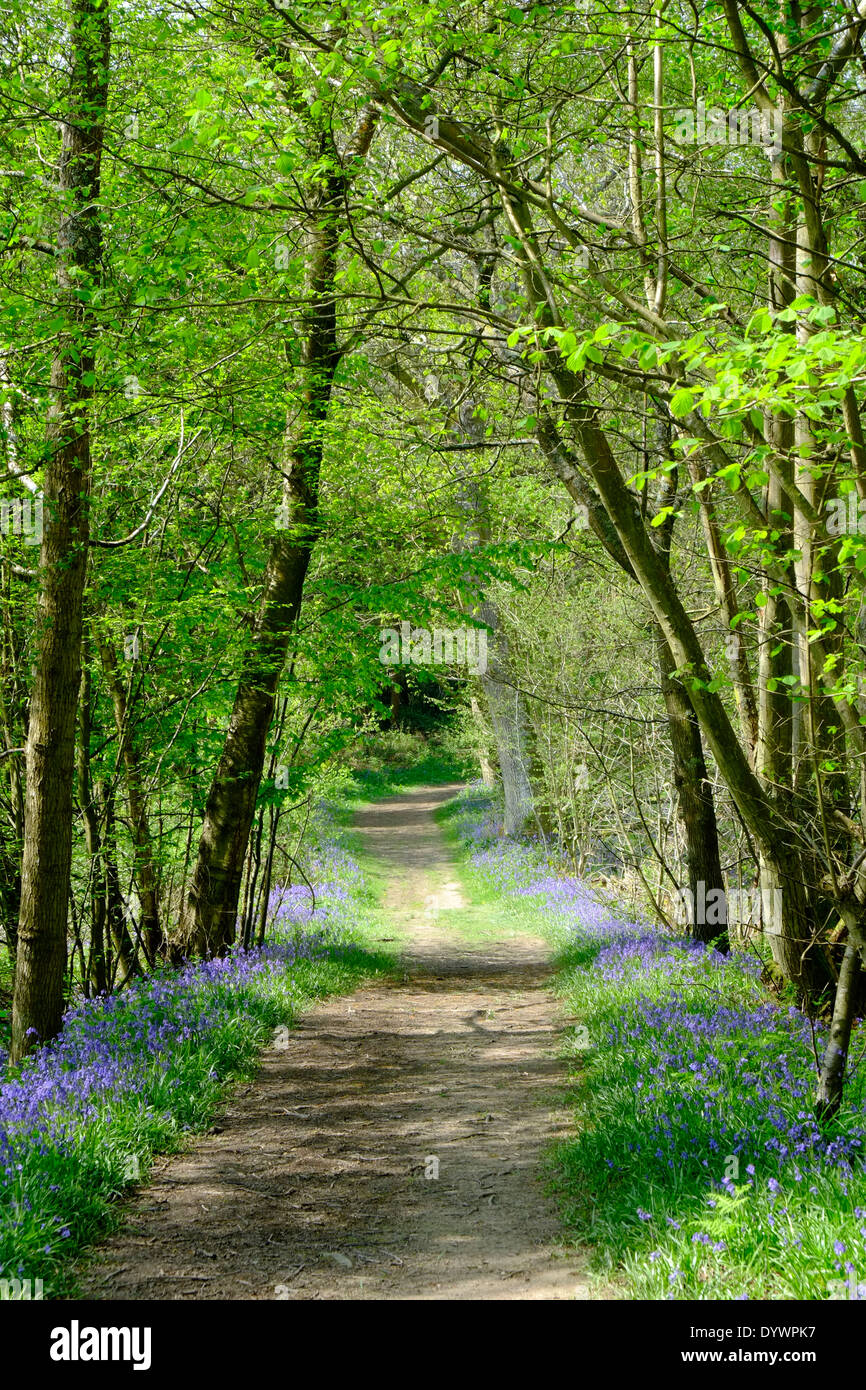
(697, 1169)
(134, 1074)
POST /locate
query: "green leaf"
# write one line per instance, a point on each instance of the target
(682, 402)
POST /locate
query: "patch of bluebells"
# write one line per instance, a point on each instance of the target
(692, 1066)
(111, 1045)
(120, 1052)
(717, 1056)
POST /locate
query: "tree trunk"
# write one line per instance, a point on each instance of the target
(265, 890)
(98, 964)
(776, 835)
(13, 736)
(50, 752)
(508, 722)
(695, 799)
(125, 953)
(209, 922)
(485, 766)
(832, 1078)
(694, 796)
(144, 869)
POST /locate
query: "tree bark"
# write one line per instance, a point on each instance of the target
(126, 964)
(694, 795)
(774, 832)
(98, 964)
(13, 732)
(832, 1078)
(485, 766)
(144, 868)
(50, 751)
(209, 922)
(508, 722)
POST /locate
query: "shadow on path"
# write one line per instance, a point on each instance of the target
(394, 1149)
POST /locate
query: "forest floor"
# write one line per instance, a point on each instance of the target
(319, 1179)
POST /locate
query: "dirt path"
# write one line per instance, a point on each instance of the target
(320, 1179)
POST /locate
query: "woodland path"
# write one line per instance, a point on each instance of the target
(312, 1183)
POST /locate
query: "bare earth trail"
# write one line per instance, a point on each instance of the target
(318, 1180)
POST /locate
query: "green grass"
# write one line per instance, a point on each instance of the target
(787, 1229)
(396, 762)
(490, 915)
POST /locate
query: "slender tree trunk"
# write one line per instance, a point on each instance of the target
(265, 891)
(695, 802)
(485, 766)
(832, 1077)
(144, 868)
(212, 902)
(209, 922)
(254, 864)
(774, 832)
(50, 753)
(509, 725)
(695, 799)
(505, 703)
(726, 592)
(11, 838)
(694, 794)
(98, 970)
(126, 956)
